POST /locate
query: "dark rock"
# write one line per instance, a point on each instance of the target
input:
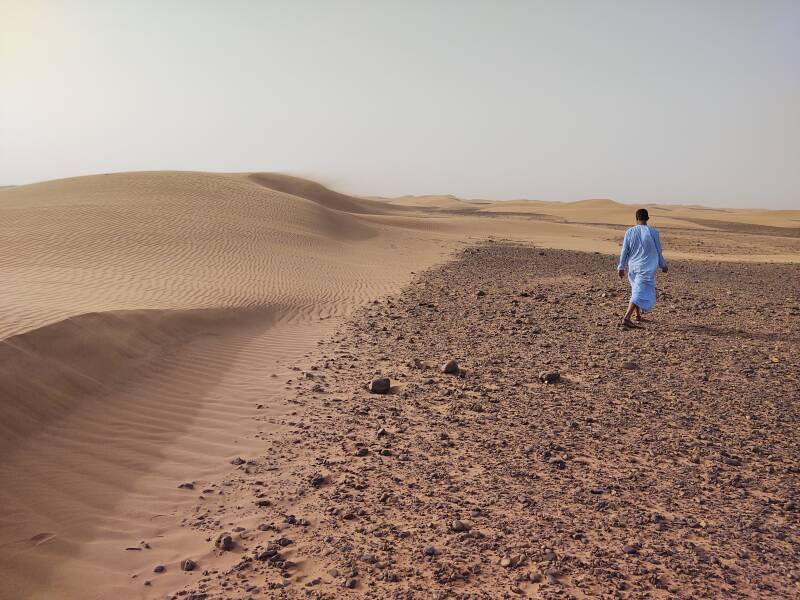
(268, 554)
(187, 564)
(317, 480)
(159, 569)
(380, 385)
(224, 542)
(549, 376)
(451, 367)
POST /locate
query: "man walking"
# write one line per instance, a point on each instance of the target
(641, 253)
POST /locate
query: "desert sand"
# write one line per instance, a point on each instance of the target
(184, 375)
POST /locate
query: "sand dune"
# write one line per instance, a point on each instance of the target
(145, 316)
(607, 211)
(114, 279)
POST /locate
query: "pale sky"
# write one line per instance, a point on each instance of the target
(694, 101)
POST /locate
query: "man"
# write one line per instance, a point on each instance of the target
(641, 253)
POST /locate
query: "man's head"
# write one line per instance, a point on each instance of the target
(642, 216)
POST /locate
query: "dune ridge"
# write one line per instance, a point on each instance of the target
(88, 354)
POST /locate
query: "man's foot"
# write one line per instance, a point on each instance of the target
(628, 324)
(640, 319)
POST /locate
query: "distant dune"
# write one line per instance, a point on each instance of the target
(607, 211)
(146, 315)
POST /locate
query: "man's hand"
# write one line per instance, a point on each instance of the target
(664, 270)
(621, 273)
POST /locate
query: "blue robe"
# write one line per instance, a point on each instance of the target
(641, 253)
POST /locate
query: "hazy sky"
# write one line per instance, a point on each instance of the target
(642, 101)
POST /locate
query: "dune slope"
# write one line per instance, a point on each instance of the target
(142, 315)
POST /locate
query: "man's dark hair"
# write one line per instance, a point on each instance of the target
(641, 214)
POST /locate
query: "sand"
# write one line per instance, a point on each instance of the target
(151, 321)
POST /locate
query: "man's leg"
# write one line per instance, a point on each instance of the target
(626, 320)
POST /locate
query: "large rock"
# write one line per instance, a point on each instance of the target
(380, 386)
(450, 367)
(224, 542)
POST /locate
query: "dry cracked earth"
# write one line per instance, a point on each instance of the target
(663, 462)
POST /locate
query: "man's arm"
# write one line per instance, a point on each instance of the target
(662, 264)
(623, 257)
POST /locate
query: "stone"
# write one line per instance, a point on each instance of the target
(351, 582)
(238, 461)
(451, 368)
(187, 564)
(186, 486)
(362, 451)
(263, 502)
(159, 569)
(549, 376)
(269, 553)
(459, 526)
(630, 366)
(429, 551)
(630, 549)
(317, 480)
(380, 385)
(224, 542)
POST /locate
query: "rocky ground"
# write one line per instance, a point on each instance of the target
(660, 462)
